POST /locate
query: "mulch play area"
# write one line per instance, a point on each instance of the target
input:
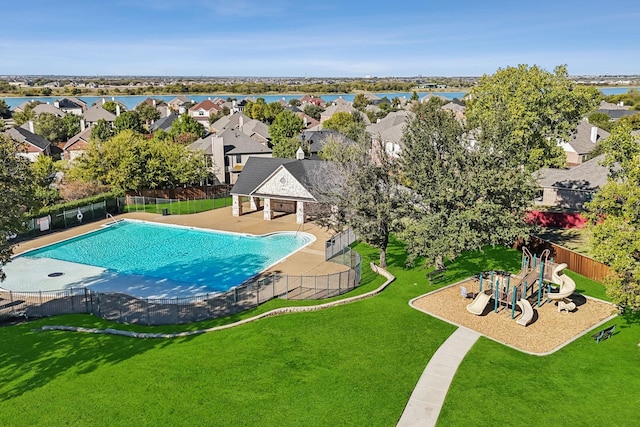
(548, 332)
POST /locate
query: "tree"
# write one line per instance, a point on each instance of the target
(601, 120)
(460, 194)
(128, 120)
(349, 124)
(15, 196)
(129, 161)
(112, 106)
(50, 127)
(4, 109)
(22, 117)
(71, 124)
(271, 110)
(414, 96)
(294, 102)
(284, 128)
(529, 110)
(313, 110)
(42, 171)
(147, 113)
(360, 187)
(360, 101)
(186, 129)
(46, 91)
(614, 218)
(101, 131)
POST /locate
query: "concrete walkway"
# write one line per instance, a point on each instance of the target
(427, 398)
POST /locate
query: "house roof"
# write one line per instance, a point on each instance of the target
(82, 136)
(234, 142)
(580, 139)
(206, 105)
(71, 104)
(617, 114)
(25, 136)
(590, 175)
(48, 108)
(164, 123)
(96, 113)
(257, 170)
(317, 139)
(391, 128)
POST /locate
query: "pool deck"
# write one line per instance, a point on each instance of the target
(308, 261)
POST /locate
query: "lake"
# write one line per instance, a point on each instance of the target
(130, 101)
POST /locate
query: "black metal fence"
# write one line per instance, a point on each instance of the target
(338, 243)
(68, 218)
(127, 309)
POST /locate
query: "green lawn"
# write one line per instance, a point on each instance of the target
(181, 207)
(354, 364)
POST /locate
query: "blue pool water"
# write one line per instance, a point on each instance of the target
(186, 258)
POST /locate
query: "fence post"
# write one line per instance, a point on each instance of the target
(71, 293)
(148, 315)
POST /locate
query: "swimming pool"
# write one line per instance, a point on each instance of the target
(156, 261)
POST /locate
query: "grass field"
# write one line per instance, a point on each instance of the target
(354, 364)
(181, 207)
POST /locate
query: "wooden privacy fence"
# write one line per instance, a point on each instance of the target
(575, 261)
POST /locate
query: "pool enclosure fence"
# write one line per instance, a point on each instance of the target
(123, 308)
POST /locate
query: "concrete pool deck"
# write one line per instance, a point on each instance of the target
(308, 261)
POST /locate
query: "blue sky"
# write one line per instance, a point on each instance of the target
(317, 38)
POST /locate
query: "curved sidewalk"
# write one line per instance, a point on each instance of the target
(427, 398)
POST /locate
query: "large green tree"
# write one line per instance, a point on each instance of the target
(283, 131)
(147, 113)
(460, 193)
(101, 131)
(128, 120)
(351, 125)
(528, 110)
(129, 161)
(614, 216)
(359, 184)
(50, 127)
(15, 196)
(186, 129)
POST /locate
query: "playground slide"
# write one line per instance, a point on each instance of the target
(527, 312)
(478, 304)
(566, 283)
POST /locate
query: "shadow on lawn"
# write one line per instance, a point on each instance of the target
(31, 359)
(490, 258)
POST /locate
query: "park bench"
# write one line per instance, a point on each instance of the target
(436, 274)
(604, 334)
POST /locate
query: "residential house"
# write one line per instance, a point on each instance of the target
(388, 131)
(164, 123)
(458, 110)
(582, 141)
(180, 104)
(71, 105)
(96, 113)
(162, 107)
(49, 109)
(315, 140)
(77, 145)
(203, 110)
(615, 111)
(31, 145)
(308, 99)
(280, 185)
(253, 128)
(228, 152)
(571, 188)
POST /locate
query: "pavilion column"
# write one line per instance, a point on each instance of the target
(236, 209)
(255, 203)
(299, 212)
(268, 214)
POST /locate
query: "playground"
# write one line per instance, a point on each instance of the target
(536, 310)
